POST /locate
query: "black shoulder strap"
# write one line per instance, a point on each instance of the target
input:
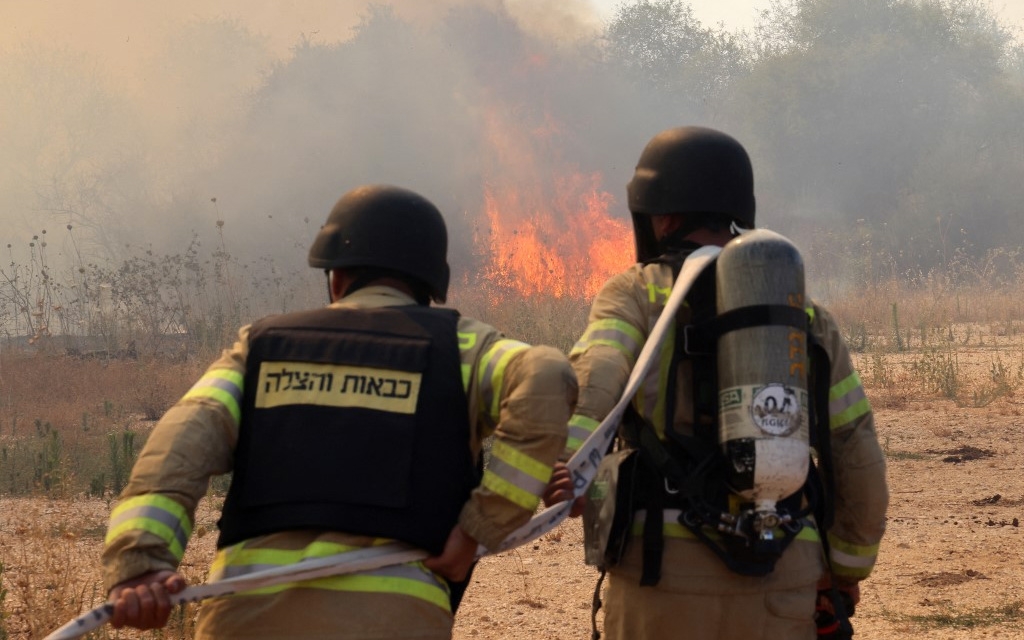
(821, 433)
(821, 440)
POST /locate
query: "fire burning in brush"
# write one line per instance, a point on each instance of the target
(550, 231)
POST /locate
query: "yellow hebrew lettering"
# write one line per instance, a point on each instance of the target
(291, 383)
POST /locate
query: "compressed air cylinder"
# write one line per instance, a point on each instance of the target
(762, 371)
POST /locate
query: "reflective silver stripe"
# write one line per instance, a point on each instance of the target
(844, 402)
(156, 514)
(514, 476)
(617, 339)
(852, 561)
(495, 360)
(579, 434)
(212, 386)
(221, 383)
(226, 380)
(616, 335)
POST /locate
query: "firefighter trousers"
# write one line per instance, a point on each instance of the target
(698, 598)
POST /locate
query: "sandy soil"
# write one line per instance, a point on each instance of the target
(951, 565)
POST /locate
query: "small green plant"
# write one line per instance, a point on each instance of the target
(98, 485)
(881, 371)
(856, 336)
(1005, 381)
(939, 370)
(122, 457)
(50, 473)
(1001, 383)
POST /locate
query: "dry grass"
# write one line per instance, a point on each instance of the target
(57, 414)
(50, 551)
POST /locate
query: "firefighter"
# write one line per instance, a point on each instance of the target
(671, 573)
(345, 426)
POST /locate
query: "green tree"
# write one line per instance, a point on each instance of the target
(895, 112)
(665, 49)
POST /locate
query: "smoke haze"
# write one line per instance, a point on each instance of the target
(141, 125)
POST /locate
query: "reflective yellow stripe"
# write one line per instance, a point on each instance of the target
(521, 461)
(844, 386)
(156, 514)
(580, 428)
(851, 560)
(224, 386)
(239, 554)
(411, 579)
(368, 584)
(610, 332)
(861, 408)
(509, 491)
(516, 476)
(492, 372)
(847, 401)
(467, 373)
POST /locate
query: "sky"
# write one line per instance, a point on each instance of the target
(742, 14)
(735, 14)
(123, 32)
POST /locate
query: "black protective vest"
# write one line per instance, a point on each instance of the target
(353, 420)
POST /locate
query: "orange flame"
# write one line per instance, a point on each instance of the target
(550, 231)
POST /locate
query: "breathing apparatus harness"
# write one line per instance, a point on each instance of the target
(686, 472)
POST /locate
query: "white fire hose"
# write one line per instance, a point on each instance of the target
(582, 467)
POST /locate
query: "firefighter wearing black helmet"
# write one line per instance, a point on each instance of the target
(344, 427)
(669, 574)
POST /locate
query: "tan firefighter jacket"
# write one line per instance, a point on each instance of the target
(521, 395)
(622, 316)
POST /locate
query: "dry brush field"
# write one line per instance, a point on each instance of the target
(949, 418)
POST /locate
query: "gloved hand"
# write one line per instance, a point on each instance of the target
(831, 625)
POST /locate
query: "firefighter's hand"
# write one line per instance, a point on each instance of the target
(848, 589)
(456, 558)
(560, 489)
(144, 602)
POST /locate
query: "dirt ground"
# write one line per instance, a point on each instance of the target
(951, 565)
